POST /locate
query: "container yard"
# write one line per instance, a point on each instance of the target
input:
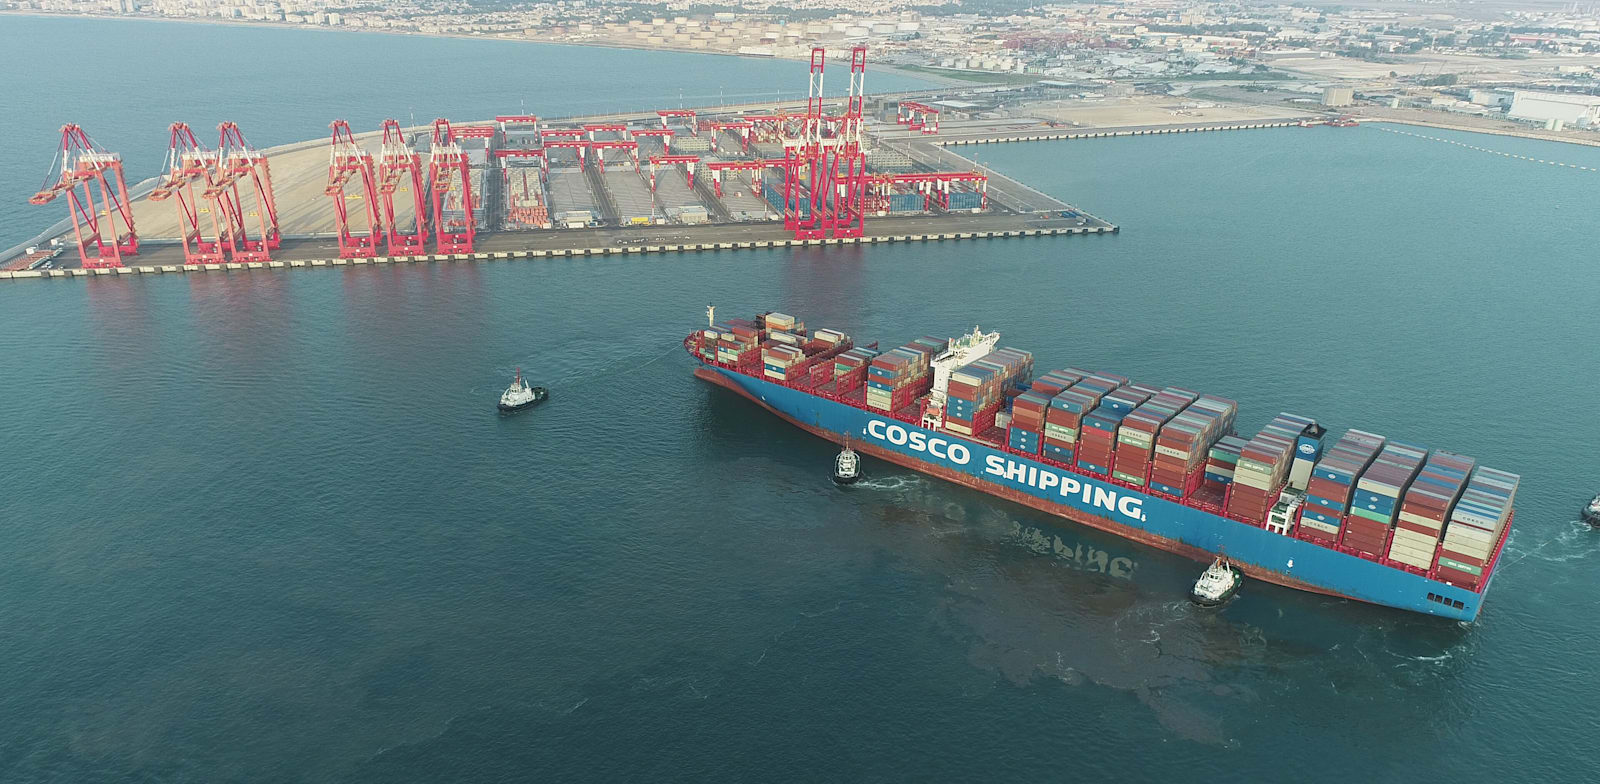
(522, 183)
(1359, 516)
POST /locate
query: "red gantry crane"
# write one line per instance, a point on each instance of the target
(451, 184)
(347, 163)
(803, 182)
(241, 189)
(400, 173)
(188, 163)
(845, 214)
(94, 222)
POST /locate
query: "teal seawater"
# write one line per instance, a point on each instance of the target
(268, 526)
(126, 81)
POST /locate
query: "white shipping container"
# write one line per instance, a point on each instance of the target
(1416, 519)
(1412, 560)
(1251, 480)
(1381, 488)
(1170, 452)
(1136, 437)
(1468, 533)
(1324, 527)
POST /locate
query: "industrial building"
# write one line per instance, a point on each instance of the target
(1559, 109)
(1338, 96)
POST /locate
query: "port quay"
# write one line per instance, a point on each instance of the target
(734, 177)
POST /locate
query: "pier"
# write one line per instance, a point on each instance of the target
(631, 213)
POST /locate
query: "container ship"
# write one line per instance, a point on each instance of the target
(1357, 516)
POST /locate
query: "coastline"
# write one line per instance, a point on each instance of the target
(1490, 131)
(932, 80)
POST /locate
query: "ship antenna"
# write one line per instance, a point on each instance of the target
(711, 315)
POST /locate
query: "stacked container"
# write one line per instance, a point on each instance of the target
(739, 342)
(1136, 438)
(1026, 432)
(1064, 420)
(1056, 381)
(1332, 485)
(1476, 525)
(1425, 508)
(778, 359)
(896, 377)
(1178, 465)
(1222, 459)
(1097, 438)
(977, 390)
(1263, 468)
(850, 369)
(1376, 500)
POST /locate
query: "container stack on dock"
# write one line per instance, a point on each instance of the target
(1425, 508)
(1332, 485)
(1181, 449)
(1377, 497)
(1477, 522)
(1263, 468)
(1136, 436)
(525, 206)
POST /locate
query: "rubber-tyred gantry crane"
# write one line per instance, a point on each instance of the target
(451, 184)
(241, 189)
(400, 176)
(189, 163)
(349, 163)
(95, 222)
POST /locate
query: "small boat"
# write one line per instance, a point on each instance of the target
(1217, 584)
(519, 395)
(1591, 513)
(847, 466)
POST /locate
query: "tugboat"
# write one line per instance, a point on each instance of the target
(1217, 584)
(1591, 513)
(519, 395)
(847, 466)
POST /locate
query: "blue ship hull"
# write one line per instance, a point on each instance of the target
(1194, 533)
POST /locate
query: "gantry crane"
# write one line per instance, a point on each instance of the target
(347, 163)
(451, 184)
(242, 190)
(400, 172)
(95, 223)
(190, 163)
